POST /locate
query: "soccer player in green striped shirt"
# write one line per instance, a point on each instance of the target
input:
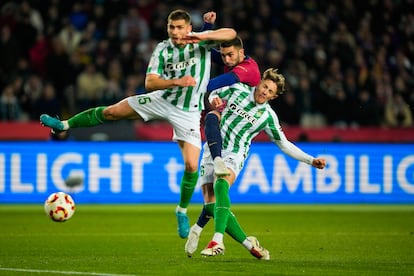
(246, 113)
(177, 77)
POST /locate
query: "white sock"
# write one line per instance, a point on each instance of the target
(181, 210)
(196, 228)
(247, 244)
(65, 125)
(218, 237)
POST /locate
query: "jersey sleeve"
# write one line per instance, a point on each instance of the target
(276, 134)
(221, 81)
(247, 72)
(206, 26)
(156, 62)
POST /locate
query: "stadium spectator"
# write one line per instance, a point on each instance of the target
(367, 113)
(9, 55)
(90, 86)
(53, 24)
(69, 36)
(47, 103)
(58, 67)
(38, 55)
(133, 27)
(35, 18)
(25, 33)
(10, 109)
(397, 112)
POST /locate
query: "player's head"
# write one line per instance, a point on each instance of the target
(270, 87)
(232, 52)
(179, 25)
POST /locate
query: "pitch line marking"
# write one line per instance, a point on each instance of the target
(61, 272)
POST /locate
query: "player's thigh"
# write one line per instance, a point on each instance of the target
(234, 162)
(186, 126)
(206, 171)
(191, 154)
(120, 110)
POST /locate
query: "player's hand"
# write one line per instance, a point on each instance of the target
(193, 38)
(319, 163)
(186, 81)
(209, 17)
(217, 103)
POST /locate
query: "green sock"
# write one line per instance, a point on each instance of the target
(233, 227)
(188, 183)
(210, 208)
(88, 118)
(222, 212)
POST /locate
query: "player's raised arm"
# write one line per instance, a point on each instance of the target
(222, 34)
(155, 82)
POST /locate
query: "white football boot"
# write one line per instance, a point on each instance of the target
(192, 242)
(213, 249)
(258, 251)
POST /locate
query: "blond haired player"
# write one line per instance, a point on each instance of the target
(246, 113)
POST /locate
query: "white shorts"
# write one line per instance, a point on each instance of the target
(186, 124)
(232, 160)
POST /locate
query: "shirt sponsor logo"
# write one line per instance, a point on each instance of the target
(243, 113)
(169, 67)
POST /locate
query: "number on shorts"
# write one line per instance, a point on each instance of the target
(144, 100)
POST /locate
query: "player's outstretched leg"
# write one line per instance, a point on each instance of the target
(87, 118)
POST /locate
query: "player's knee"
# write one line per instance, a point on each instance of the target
(189, 167)
(110, 113)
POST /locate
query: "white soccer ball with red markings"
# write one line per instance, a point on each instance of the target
(59, 206)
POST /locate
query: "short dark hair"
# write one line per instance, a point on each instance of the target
(236, 42)
(180, 14)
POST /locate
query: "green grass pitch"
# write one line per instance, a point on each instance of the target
(125, 240)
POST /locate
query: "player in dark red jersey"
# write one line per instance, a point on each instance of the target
(238, 67)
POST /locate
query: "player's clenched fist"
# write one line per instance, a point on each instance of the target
(186, 81)
(209, 17)
(319, 163)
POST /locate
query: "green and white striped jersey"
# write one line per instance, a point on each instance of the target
(171, 62)
(242, 119)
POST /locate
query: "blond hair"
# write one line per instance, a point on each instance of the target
(279, 79)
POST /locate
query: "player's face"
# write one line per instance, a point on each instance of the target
(177, 29)
(265, 91)
(231, 56)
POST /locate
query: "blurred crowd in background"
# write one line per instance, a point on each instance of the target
(348, 63)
